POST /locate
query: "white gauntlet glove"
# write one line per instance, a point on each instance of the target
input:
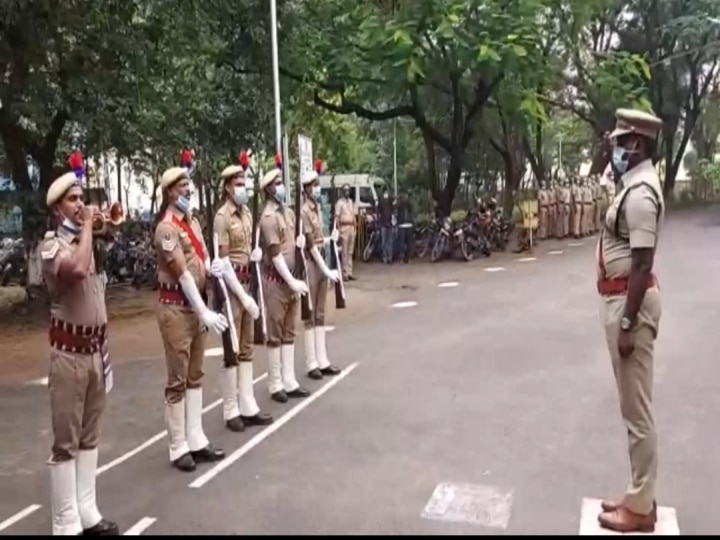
(239, 291)
(256, 255)
(300, 241)
(296, 285)
(214, 321)
(332, 275)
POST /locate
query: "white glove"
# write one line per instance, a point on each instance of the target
(335, 235)
(256, 255)
(251, 307)
(296, 285)
(208, 266)
(214, 321)
(238, 290)
(300, 241)
(332, 275)
(217, 268)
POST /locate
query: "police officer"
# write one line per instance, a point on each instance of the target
(631, 308)
(281, 288)
(345, 216)
(543, 204)
(319, 274)
(183, 316)
(233, 227)
(80, 373)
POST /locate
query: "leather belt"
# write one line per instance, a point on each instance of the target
(242, 272)
(619, 286)
(76, 338)
(172, 293)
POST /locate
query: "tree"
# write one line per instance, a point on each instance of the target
(436, 62)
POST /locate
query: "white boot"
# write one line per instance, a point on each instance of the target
(322, 358)
(177, 434)
(287, 355)
(87, 505)
(248, 405)
(275, 383)
(63, 499)
(311, 360)
(193, 410)
(230, 393)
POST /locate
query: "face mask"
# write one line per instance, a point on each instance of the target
(619, 159)
(241, 195)
(71, 226)
(183, 204)
(280, 193)
(316, 193)
(386, 196)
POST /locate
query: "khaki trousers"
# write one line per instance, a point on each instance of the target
(77, 402)
(634, 378)
(542, 223)
(576, 219)
(281, 308)
(184, 342)
(318, 293)
(347, 235)
(245, 329)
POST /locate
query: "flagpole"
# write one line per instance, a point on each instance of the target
(276, 76)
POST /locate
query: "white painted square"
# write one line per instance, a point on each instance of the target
(495, 269)
(556, 252)
(667, 523)
(527, 259)
(470, 503)
(575, 244)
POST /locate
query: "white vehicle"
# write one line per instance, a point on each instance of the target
(364, 188)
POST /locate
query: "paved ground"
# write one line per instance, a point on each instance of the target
(501, 382)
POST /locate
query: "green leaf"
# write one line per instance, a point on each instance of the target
(520, 51)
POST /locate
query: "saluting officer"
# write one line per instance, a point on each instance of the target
(319, 275)
(631, 308)
(233, 226)
(80, 373)
(281, 289)
(183, 316)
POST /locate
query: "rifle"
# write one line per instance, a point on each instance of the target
(334, 256)
(221, 304)
(300, 263)
(260, 324)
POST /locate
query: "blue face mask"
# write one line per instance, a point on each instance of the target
(241, 195)
(619, 159)
(316, 193)
(71, 226)
(183, 204)
(280, 193)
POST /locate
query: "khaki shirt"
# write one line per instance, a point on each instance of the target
(542, 198)
(233, 227)
(551, 197)
(587, 197)
(575, 195)
(640, 220)
(170, 241)
(345, 212)
(312, 220)
(277, 227)
(83, 301)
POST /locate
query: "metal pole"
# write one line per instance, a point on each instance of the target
(395, 186)
(276, 78)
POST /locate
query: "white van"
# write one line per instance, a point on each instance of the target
(364, 188)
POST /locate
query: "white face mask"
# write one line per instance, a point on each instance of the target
(241, 195)
(316, 193)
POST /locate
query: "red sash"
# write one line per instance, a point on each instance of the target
(187, 229)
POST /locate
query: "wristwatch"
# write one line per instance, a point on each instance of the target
(625, 324)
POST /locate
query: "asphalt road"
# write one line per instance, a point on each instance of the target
(496, 395)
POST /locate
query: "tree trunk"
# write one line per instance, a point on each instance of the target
(119, 179)
(454, 174)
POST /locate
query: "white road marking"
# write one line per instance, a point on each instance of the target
(217, 351)
(575, 244)
(526, 259)
(448, 284)
(556, 252)
(470, 503)
(43, 381)
(155, 438)
(140, 526)
(200, 481)
(404, 304)
(22, 514)
(329, 328)
(495, 269)
(667, 523)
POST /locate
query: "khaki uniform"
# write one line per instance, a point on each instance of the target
(577, 208)
(638, 225)
(346, 216)
(313, 228)
(182, 334)
(561, 211)
(543, 210)
(80, 376)
(552, 211)
(233, 226)
(587, 199)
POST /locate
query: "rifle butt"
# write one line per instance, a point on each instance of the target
(339, 298)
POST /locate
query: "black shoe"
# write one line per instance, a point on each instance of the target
(280, 396)
(185, 463)
(208, 455)
(315, 374)
(299, 392)
(352, 278)
(260, 419)
(330, 370)
(235, 424)
(104, 528)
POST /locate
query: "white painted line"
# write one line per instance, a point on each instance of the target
(556, 252)
(217, 351)
(667, 523)
(200, 481)
(155, 438)
(22, 514)
(526, 259)
(329, 328)
(448, 284)
(404, 304)
(43, 381)
(470, 503)
(140, 526)
(575, 244)
(495, 269)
